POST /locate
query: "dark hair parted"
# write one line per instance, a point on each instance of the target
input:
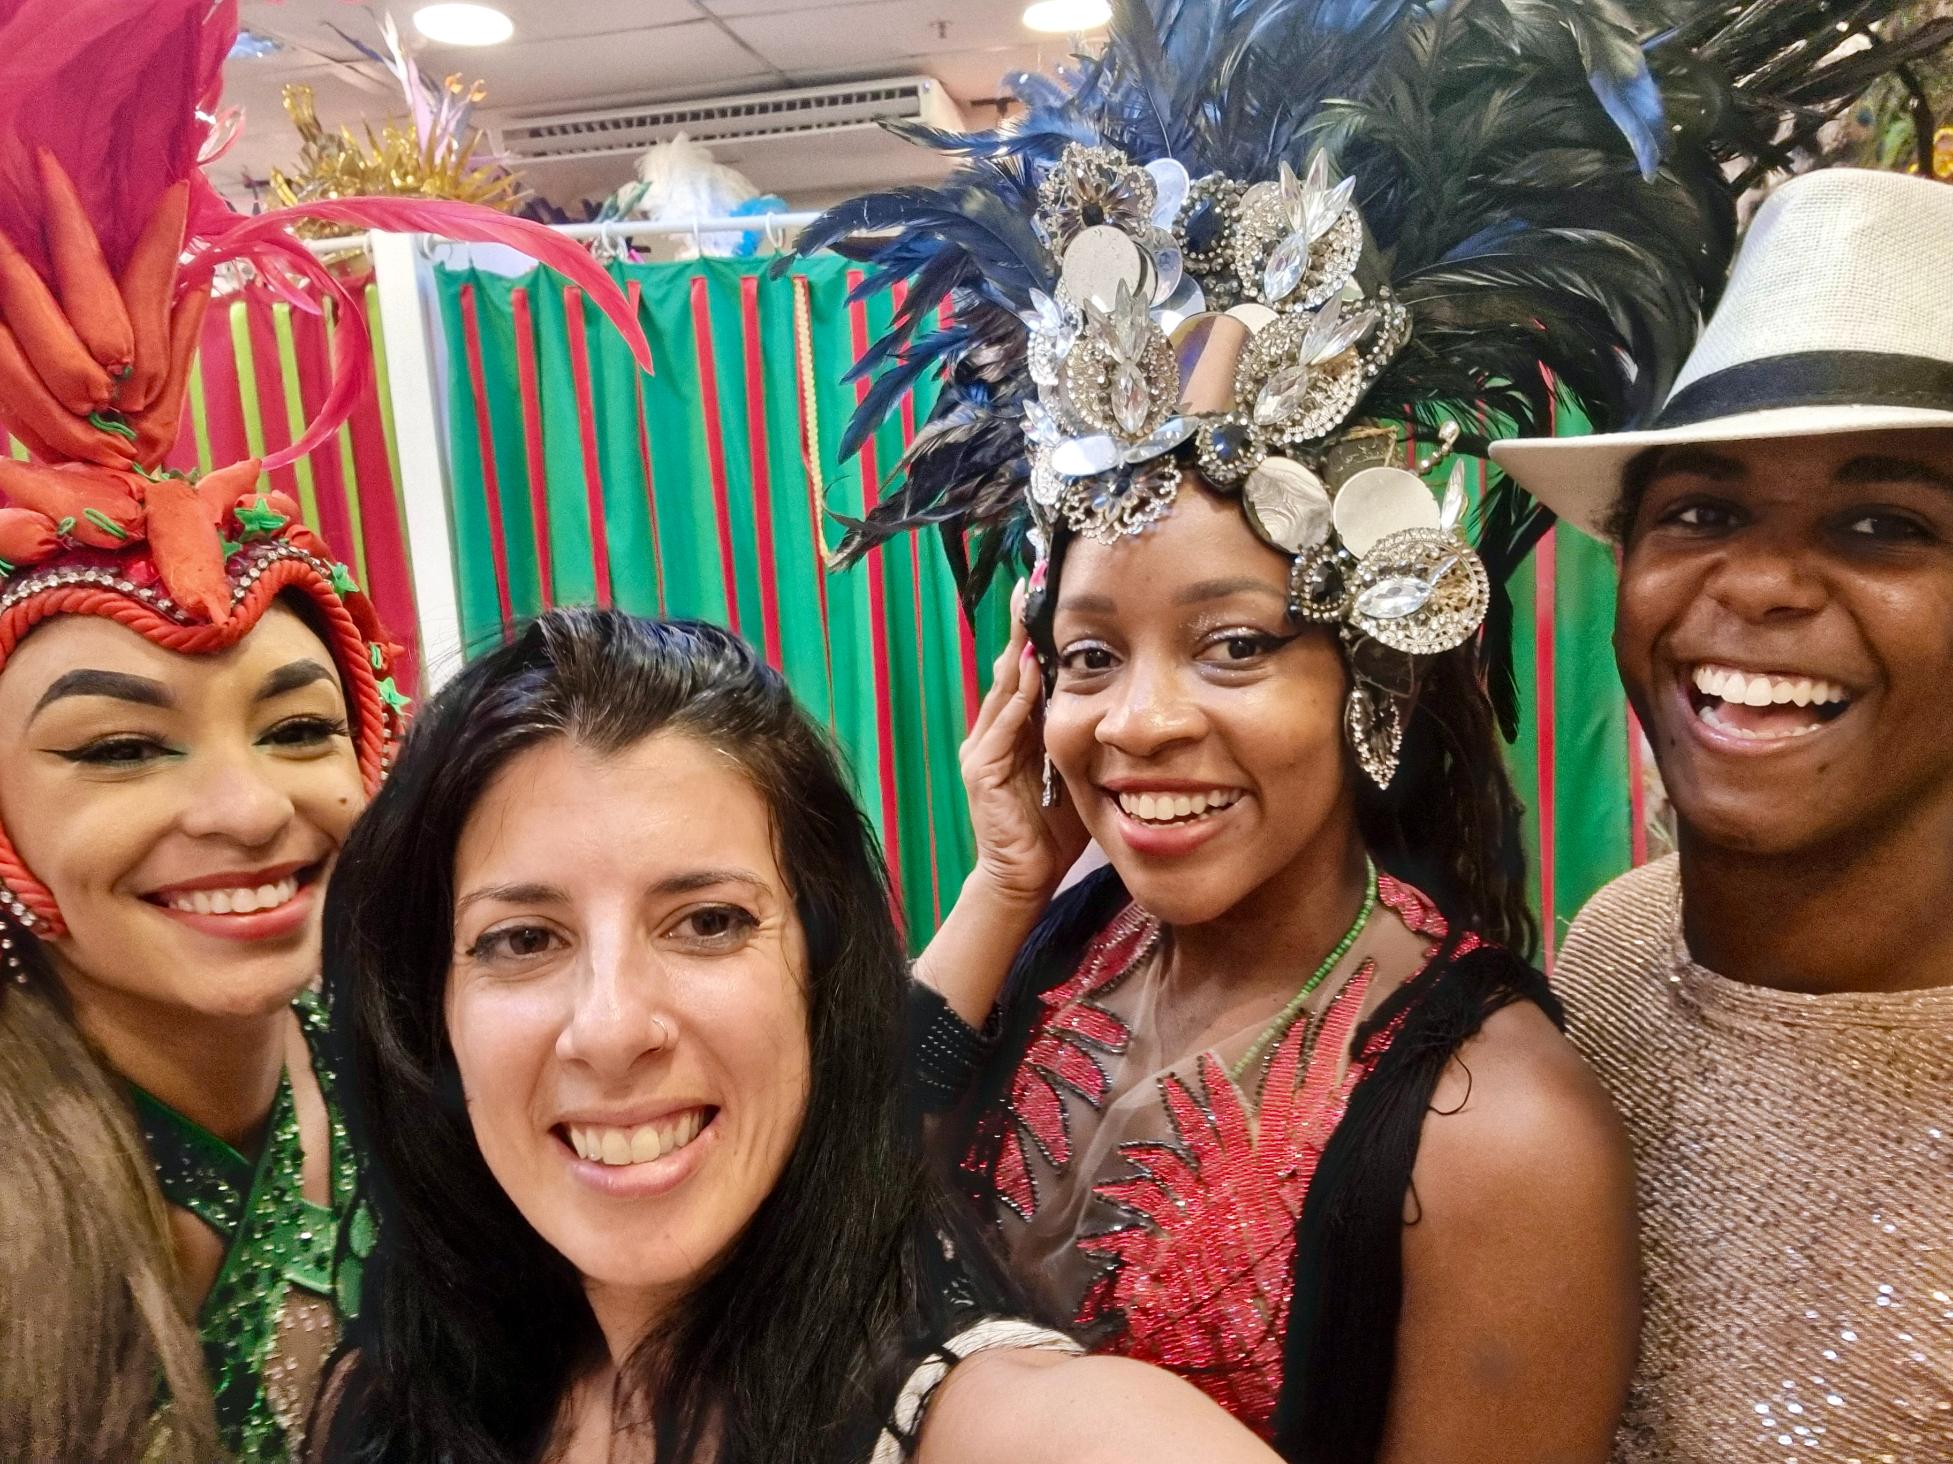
(1449, 823)
(472, 1327)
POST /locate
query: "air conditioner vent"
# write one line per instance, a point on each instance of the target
(761, 116)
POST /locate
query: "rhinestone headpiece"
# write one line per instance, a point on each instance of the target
(1222, 324)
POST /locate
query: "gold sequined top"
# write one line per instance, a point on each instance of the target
(1795, 1158)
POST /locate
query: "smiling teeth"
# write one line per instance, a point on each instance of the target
(1166, 807)
(1740, 687)
(1710, 719)
(241, 901)
(640, 1145)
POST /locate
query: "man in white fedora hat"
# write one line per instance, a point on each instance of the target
(1772, 1008)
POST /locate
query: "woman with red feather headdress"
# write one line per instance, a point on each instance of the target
(195, 703)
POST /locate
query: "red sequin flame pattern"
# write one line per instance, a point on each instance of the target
(1196, 1272)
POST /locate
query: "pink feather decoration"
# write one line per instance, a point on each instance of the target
(125, 94)
(112, 89)
(264, 240)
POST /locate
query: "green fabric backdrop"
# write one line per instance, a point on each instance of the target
(707, 507)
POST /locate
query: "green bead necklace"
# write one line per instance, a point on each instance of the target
(1273, 1033)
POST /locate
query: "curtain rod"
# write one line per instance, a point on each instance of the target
(624, 229)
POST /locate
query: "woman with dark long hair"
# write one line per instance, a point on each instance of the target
(1274, 1099)
(612, 954)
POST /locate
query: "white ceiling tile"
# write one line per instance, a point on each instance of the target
(870, 33)
(635, 64)
(970, 75)
(556, 19)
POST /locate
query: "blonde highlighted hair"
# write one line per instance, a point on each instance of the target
(96, 1334)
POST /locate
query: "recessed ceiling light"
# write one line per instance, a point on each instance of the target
(463, 25)
(1067, 17)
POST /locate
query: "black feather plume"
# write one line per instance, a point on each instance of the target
(1550, 186)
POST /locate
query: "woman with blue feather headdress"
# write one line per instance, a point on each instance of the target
(1273, 1099)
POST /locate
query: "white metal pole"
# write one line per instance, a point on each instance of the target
(776, 224)
(408, 319)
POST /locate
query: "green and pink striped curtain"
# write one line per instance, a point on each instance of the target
(699, 491)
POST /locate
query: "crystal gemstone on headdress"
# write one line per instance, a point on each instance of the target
(1228, 450)
(1420, 591)
(1295, 232)
(1451, 512)
(1161, 440)
(1394, 598)
(1040, 426)
(1120, 375)
(1318, 584)
(1282, 393)
(1206, 221)
(1285, 267)
(1301, 373)
(1081, 457)
(1229, 441)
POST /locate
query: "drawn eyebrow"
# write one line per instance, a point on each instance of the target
(1088, 604)
(1872, 469)
(291, 677)
(537, 893)
(1697, 460)
(87, 681)
(1221, 589)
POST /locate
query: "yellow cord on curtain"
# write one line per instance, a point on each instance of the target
(810, 421)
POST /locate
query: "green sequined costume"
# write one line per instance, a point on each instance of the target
(273, 1315)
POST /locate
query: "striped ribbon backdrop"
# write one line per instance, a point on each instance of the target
(699, 491)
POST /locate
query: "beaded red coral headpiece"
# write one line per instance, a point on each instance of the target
(99, 527)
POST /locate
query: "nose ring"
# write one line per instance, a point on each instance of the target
(664, 1032)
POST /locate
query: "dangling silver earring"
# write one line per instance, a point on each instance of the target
(1383, 690)
(1376, 731)
(10, 954)
(1049, 798)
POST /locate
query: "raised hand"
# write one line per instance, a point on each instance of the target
(1023, 849)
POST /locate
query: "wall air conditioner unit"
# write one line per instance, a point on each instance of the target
(785, 118)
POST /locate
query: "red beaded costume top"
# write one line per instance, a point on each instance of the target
(1159, 1202)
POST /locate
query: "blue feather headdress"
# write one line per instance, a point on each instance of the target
(1271, 239)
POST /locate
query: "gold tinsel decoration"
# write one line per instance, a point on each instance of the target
(395, 163)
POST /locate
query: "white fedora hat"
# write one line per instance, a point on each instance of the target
(1838, 318)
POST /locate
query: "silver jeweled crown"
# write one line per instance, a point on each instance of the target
(1221, 323)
